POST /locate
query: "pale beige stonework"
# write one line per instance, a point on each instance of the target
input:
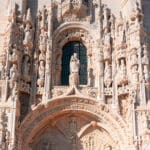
(111, 112)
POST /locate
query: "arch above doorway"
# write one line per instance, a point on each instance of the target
(96, 116)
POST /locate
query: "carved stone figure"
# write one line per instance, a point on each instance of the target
(107, 74)
(14, 72)
(74, 64)
(74, 70)
(26, 68)
(145, 62)
(146, 73)
(134, 59)
(107, 38)
(41, 74)
(120, 31)
(28, 36)
(14, 57)
(145, 59)
(47, 113)
(122, 72)
(43, 40)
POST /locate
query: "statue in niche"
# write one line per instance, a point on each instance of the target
(14, 72)
(146, 73)
(15, 53)
(145, 58)
(120, 30)
(122, 68)
(134, 59)
(74, 64)
(135, 74)
(43, 40)
(74, 70)
(41, 74)
(107, 44)
(107, 74)
(26, 66)
(122, 72)
(28, 36)
(145, 62)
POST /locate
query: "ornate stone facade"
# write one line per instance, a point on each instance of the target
(101, 102)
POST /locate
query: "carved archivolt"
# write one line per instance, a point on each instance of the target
(44, 114)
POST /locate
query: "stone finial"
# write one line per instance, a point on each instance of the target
(29, 17)
(120, 20)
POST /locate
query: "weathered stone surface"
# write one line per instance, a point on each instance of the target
(39, 109)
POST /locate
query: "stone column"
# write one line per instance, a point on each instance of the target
(100, 75)
(48, 71)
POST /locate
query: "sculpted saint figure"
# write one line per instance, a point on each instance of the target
(74, 70)
(74, 64)
(28, 35)
(26, 65)
(41, 74)
(108, 74)
(13, 72)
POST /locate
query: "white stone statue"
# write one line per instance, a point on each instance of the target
(74, 70)
(122, 68)
(41, 74)
(14, 72)
(15, 54)
(43, 40)
(74, 64)
(121, 77)
(134, 59)
(28, 35)
(26, 66)
(107, 74)
(145, 58)
(146, 73)
(107, 38)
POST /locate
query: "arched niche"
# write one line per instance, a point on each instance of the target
(67, 51)
(85, 116)
(64, 36)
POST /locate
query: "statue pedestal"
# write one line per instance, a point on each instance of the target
(74, 79)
